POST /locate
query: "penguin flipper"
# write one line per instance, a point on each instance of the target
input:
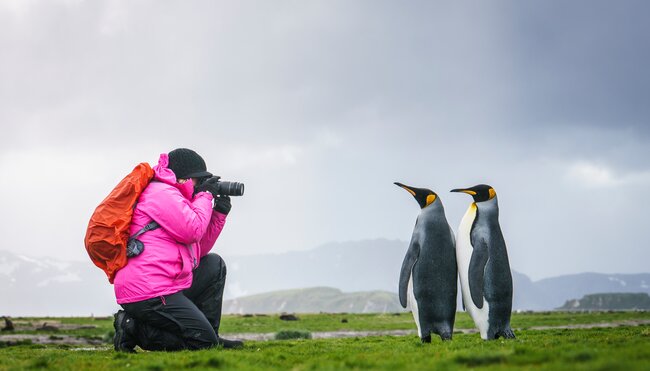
(453, 237)
(476, 273)
(453, 242)
(411, 257)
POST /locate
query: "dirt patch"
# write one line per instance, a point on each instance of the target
(16, 339)
(48, 325)
(639, 322)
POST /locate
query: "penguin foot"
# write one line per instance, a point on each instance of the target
(445, 336)
(426, 339)
(507, 334)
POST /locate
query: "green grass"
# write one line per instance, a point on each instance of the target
(585, 349)
(593, 349)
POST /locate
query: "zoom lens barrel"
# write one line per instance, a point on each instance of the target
(231, 188)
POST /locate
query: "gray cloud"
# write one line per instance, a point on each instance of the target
(320, 106)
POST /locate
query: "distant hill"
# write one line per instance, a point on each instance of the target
(609, 301)
(562, 288)
(365, 265)
(314, 300)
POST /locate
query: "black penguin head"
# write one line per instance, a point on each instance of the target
(479, 193)
(423, 196)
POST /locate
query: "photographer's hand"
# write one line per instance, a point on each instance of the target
(222, 204)
(209, 185)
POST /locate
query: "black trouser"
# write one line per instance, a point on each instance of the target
(188, 319)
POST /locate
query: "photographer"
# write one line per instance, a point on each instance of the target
(172, 291)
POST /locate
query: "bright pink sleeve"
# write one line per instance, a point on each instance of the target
(217, 223)
(186, 221)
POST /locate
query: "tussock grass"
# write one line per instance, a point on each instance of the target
(292, 334)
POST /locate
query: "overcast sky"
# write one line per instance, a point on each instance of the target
(319, 106)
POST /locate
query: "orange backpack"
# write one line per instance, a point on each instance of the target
(108, 229)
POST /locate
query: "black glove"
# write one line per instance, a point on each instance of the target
(222, 204)
(208, 185)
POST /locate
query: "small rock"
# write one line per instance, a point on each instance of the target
(47, 327)
(9, 326)
(288, 317)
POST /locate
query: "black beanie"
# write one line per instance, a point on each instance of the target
(186, 164)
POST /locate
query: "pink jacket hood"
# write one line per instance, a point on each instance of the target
(188, 230)
(162, 173)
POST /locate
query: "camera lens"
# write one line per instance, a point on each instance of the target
(231, 188)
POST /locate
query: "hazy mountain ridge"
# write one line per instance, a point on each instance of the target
(315, 300)
(368, 265)
(609, 301)
(365, 265)
(38, 287)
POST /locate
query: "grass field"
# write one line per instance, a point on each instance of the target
(624, 347)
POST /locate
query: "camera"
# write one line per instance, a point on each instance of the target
(225, 188)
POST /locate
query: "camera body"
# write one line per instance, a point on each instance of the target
(224, 188)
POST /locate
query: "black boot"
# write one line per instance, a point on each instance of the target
(124, 339)
(230, 344)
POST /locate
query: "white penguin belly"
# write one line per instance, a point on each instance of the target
(414, 305)
(464, 251)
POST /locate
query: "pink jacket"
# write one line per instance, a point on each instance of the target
(188, 230)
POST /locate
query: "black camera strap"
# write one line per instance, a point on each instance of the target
(134, 247)
(149, 227)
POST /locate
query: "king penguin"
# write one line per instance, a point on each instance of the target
(428, 278)
(485, 277)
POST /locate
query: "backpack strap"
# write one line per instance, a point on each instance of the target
(134, 247)
(149, 227)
